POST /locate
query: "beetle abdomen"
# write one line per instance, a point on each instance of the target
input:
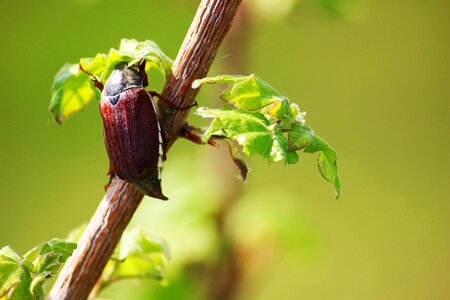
(133, 139)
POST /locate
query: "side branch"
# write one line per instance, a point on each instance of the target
(84, 267)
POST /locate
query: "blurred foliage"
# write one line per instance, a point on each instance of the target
(277, 10)
(137, 256)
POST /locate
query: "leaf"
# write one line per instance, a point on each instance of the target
(21, 279)
(71, 92)
(260, 120)
(15, 278)
(37, 285)
(137, 255)
(72, 89)
(131, 52)
(251, 130)
(254, 94)
(60, 247)
(52, 254)
(303, 137)
(246, 92)
(150, 51)
(135, 241)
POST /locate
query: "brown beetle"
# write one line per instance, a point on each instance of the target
(132, 132)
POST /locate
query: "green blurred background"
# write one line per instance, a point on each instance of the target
(374, 79)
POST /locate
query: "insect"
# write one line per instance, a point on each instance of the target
(132, 133)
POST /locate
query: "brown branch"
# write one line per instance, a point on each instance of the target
(84, 267)
(211, 23)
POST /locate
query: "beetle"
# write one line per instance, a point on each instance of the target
(132, 133)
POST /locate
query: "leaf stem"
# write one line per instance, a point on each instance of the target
(82, 270)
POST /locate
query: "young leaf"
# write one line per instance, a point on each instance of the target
(52, 254)
(254, 94)
(22, 279)
(260, 120)
(303, 137)
(246, 92)
(58, 246)
(149, 51)
(251, 130)
(136, 256)
(131, 52)
(135, 241)
(37, 285)
(71, 92)
(15, 277)
(72, 89)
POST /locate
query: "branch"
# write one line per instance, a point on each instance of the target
(84, 267)
(211, 23)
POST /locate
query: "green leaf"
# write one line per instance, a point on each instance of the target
(60, 247)
(245, 92)
(37, 285)
(254, 94)
(72, 89)
(131, 52)
(251, 130)
(15, 277)
(137, 255)
(149, 51)
(260, 121)
(71, 92)
(52, 254)
(281, 150)
(303, 137)
(135, 241)
(21, 279)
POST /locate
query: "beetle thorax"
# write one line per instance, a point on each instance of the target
(122, 78)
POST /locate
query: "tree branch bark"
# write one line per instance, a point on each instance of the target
(82, 270)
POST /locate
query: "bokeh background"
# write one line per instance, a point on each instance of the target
(374, 79)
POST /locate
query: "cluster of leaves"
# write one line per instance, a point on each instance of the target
(136, 256)
(72, 89)
(265, 123)
(22, 278)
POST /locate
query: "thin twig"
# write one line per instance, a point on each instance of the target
(84, 267)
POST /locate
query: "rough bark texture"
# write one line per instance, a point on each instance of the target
(211, 23)
(84, 267)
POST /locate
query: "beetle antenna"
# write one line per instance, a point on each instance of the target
(97, 82)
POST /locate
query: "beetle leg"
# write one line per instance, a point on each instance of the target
(111, 176)
(97, 82)
(161, 97)
(143, 73)
(194, 135)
